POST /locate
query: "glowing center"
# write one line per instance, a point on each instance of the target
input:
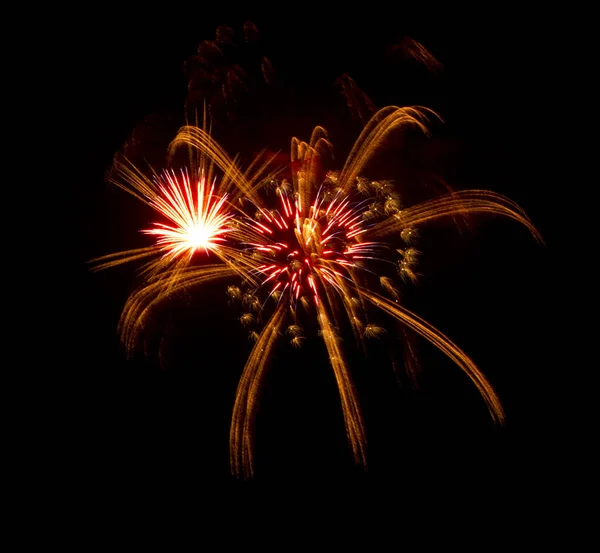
(199, 237)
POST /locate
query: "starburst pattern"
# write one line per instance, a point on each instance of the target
(195, 235)
(199, 218)
(313, 248)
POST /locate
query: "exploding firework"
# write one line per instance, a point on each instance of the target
(313, 248)
(195, 239)
(320, 259)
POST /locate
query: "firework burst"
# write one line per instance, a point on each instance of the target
(199, 218)
(319, 256)
(195, 236)
(312, 248)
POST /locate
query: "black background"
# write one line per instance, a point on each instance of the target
(134, 429)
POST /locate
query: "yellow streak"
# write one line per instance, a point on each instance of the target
(353, 311)
(444, 344)
(241, 434)
(130, 178)
(141, 301)
(308, 154)
(233, 181)
(118, 258)
(463, 202)
(375, 132)
(352, 415)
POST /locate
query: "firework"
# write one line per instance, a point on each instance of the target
(313, 248)
(194, 240)
(319, 257)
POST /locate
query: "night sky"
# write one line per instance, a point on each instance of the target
(134, 426)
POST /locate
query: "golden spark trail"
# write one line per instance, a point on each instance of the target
(461, 202)
(445, 345)
(375, 132)
(352, 416)
(241, 434)
(160, 288)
